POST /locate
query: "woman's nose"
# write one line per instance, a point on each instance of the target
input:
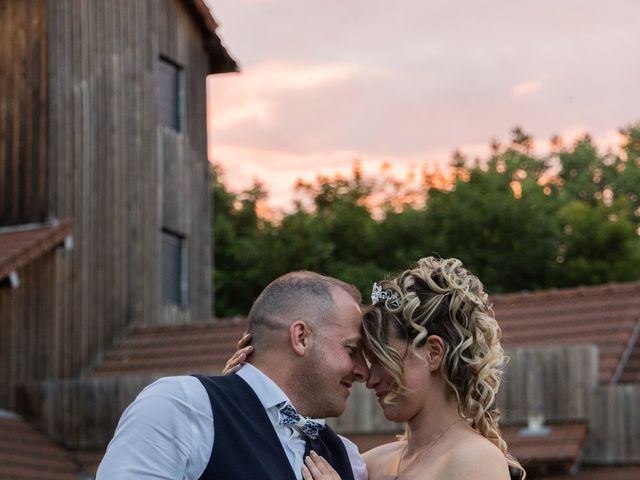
(374, 377)
(361, 370)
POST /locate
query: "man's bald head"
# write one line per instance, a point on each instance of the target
(301, 295)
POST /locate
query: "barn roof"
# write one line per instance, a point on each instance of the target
(220, 59)
(26, 453)
(173, 349)
(21, 244)
(605, 315)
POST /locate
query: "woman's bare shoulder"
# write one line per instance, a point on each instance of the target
(476, 457)
(377, 457)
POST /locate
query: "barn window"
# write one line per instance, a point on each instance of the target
(170, 91)
(174, 268)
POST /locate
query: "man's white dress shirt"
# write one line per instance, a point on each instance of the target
(168, 431)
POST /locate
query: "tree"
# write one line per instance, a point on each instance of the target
(599, 244)
(241, 239)
(511, 220)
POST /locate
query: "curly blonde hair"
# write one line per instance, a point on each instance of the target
(440, 297)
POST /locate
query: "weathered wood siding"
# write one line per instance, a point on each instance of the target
(185, 167)
(23, 112)
(614, 425)
(30, 332)
(107, 162)
(81, 413)
(555, 382)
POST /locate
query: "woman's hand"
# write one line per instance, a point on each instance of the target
(243, 350)
(317, 468)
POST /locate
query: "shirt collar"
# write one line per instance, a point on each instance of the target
(268, 391)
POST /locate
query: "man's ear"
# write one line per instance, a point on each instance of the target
(299, 333)
(435, 352)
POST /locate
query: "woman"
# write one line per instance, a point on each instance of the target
(435, 358)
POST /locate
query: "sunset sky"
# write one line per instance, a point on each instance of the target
(325, 82)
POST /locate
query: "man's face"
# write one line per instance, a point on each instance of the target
(336, 359)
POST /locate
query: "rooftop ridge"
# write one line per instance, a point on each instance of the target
(576, 291)
(22, 245)
(192, 325)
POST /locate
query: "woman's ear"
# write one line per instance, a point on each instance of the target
(299, 337)
(435, 352)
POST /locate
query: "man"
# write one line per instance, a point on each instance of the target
(251, 425)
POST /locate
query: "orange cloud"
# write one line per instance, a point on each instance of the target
(250, 96)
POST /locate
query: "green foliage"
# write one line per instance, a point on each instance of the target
(504, 240)
(598, 245)
(519, 221)
(240, 239)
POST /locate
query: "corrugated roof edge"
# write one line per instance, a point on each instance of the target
(58, 231)
(220, 61)
(567, 292)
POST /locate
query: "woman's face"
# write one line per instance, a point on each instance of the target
(416, 380)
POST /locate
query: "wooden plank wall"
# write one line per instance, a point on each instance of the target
(105, 169)
(554, 381)
(102, 170)
(185, 171)
(614, 425)
(23, 113)
(27, 344)
(81, 413)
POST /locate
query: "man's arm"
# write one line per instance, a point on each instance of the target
(166, 433)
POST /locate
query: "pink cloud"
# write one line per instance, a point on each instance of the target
(526, 88)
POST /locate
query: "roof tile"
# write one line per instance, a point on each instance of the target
(605, 315)
(174, 349)
(19, 246)
(25, 453)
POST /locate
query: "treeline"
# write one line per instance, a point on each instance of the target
(518, 220)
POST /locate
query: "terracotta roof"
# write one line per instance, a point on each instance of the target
(25, 453)
(631, 372)
(609, 472)
(560, 446)
(174, 349)
(89, 460)
(606, 315)
(21, 244)
(220, 60)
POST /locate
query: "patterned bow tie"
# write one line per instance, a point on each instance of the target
(289, 416)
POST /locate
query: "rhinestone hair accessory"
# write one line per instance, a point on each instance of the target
(378, 295)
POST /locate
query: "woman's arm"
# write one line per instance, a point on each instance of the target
(243, 350)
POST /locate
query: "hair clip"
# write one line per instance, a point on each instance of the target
(378, 295)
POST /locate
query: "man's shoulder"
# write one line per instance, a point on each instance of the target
(181, 386)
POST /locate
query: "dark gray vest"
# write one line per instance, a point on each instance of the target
(246, 447)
